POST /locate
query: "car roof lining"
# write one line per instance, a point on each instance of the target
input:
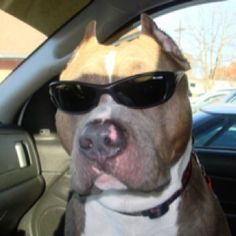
(56, 51)
(42, 15)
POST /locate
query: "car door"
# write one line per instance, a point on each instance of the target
(38, 118)
(215, 144)
(21, 183)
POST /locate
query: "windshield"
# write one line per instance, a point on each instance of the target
(26, 25)
(206, 35)
(16, 43)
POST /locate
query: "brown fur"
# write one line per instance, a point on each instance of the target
(157, 136)
(90, 56)
(205, 214)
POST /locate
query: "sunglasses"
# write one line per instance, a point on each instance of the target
(138, 91)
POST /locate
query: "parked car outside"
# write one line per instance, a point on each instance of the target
(210, 98)
(215, 126)
(231, 97)
(214, 132)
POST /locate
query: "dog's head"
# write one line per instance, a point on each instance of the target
(114, 145)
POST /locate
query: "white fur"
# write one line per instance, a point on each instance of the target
(101, 115)
(105, 181)
(102, 220)
(105, 222)
(110, 63)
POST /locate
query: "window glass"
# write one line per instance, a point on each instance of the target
(26, 24)
(206, 133)
(233, 100)
(16, 43)
(227, 139)
(214, 99)
(206, 34)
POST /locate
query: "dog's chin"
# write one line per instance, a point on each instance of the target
(108, 182)
(104, 181)
(123, 173)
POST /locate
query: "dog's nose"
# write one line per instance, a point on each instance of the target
(101, 140)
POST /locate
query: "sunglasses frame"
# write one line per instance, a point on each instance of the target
(101, 89)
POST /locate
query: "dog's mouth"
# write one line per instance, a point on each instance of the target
(129, 171)
(105, 181)
(109, 180)
(137, 166)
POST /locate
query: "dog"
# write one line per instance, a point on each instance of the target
(124, 117)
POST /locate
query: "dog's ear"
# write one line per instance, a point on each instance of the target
(166, 42)
(90, 32)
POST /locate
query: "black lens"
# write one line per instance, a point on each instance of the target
(140, 91)
(73, 97)
(145, 91)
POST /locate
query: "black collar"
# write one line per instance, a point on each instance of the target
(162, 208)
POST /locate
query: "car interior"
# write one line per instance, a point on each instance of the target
(34, 167)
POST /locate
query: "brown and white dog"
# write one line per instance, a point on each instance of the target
(133, 171)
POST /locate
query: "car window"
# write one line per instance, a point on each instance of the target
(214, 99)
(206, 34)
(218, 133)
(14, 49)
(227, 139)
(208, 131)
(232, 100)
(26, 26)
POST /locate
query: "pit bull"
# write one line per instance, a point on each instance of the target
(125, 119)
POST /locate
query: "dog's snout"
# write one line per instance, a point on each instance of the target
(101, 140)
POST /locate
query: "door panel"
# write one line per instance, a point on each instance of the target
(220, 166)
(38, 118)
(20, 181)
(47, 215)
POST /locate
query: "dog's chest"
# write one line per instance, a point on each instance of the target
(102, 221)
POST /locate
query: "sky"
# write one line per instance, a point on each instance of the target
(189, 25)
